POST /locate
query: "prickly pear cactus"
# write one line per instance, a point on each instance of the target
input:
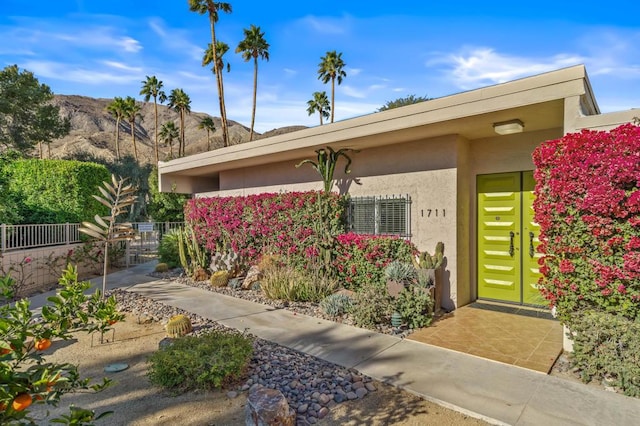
(178, 326)
(219, 279)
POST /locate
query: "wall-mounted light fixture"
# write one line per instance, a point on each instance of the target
(508, 127)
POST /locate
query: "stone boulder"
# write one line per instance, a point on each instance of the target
(268, 407)
(253, 276)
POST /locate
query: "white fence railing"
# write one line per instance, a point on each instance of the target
(20, 237)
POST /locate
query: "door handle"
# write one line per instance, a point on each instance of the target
(531, 249)
(511, 249)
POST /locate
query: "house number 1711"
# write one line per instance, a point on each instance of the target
(435, 212)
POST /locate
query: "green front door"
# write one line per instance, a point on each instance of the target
(507, 238)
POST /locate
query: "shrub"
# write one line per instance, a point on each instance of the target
(27, 376)
(415, 306)
(168, 249)
(55, 191)
(336, 304)
(607, 346)
(289, 283)
(362, 259)
(279, 223)
(372, 305)
(214, 360)
(588, 208)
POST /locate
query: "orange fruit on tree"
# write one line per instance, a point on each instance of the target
(21, 402)
(3, 406)
(111, 322)
(43, 344)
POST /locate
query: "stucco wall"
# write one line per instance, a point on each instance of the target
(38, 269)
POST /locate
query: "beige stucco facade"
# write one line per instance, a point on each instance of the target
(432, 151)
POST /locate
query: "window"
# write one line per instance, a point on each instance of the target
(380, 215)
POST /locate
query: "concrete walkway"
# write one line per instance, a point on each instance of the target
(496, 392)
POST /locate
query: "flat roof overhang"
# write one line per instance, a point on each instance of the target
(537, 101)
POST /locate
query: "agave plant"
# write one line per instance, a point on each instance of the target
(117, 195)
(326, 164)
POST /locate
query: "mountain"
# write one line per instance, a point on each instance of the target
(93, 130)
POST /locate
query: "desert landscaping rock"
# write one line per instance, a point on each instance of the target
(308, 383)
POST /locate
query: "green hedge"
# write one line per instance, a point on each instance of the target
(55, 191)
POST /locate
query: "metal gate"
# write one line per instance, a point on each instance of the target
(144, 246)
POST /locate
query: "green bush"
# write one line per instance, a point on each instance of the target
(372, 305)
(415, 306)
(607, 345)
(55, 191)
(289, 283)
(210, 361)
(336, 304)
(168, 249)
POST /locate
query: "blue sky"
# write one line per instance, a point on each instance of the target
(105, 48)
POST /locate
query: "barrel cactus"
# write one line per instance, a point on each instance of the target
(219, 279)
(178, 326)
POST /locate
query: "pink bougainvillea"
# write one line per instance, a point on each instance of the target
(588, 207)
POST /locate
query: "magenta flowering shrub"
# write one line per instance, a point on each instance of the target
(361, 259)
(588, 207)
(254, 224)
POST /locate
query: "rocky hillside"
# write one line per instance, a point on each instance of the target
(93, 130)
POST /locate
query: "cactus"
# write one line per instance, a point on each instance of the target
(178, 326)
(336, 304)
(428, 261)
(219, 279)
(162, 267)
(192, 256)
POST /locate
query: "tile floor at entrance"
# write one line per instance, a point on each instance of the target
(521, 336)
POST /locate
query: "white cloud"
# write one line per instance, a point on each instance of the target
(290, 72)
(176, 40)
(481, 66)
(353, 92)
(327, 25)
(79, 74)
(129, 44)
(122, 66)
(352, 72)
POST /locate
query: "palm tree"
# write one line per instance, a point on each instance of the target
(152, 88)
(181, 102)
(131, 110)
(331, 68)
(208, 125)
(212, 8)
(253, 46)
(209, 58)
(168, 133)
(320, 104)
(116, 108)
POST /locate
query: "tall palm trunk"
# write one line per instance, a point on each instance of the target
(208, 141)
(118, 138)
(155, 110)
(181, 142)
(218, 72)
(333, 92)
(133, 139)
(255, 90)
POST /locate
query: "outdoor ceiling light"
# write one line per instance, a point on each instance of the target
(508, 127)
